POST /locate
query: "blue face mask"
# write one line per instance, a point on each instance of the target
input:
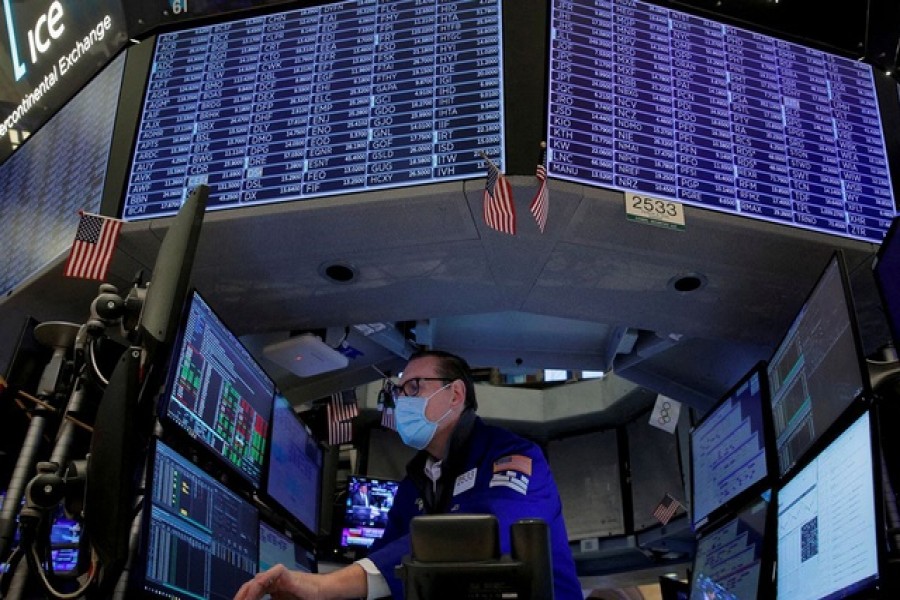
(415, 429)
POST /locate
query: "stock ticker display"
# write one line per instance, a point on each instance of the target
(332, 99)
(202, 538)
(648, 100)
(219, 394)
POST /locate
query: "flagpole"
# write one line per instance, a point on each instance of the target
(488, 160)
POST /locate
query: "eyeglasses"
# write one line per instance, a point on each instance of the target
(411, 387)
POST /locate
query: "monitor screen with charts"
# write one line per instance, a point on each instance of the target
(730, 447)
(199, 539)
(828, 532)
(817, 371)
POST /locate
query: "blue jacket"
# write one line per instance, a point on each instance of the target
(488, 470)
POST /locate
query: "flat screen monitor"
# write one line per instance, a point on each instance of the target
(886, 271)
(671, 107)
(817, 371)
(294, 475)
(322, 100)
(731, 448)
(217, 393)
(733, 560)
(365, 515)
(276, 547)
(44, 184)
(199, 539)
(828, 532)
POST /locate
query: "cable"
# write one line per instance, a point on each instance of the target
(93, 362)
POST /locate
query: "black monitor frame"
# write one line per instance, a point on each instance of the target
(738, 499)
(175, 433)
(883, 576)
(860, 396)
(886, 271)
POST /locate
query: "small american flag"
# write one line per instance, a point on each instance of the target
(499, 211)
(342, 408)
(540, 203)
(667, 508)
(387, 418)
(92, 250)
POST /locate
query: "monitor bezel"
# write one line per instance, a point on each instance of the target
(860, 589)
(724, 510)
(281, 509)
(865, 391)
(765, 587)
(173, 432)
(890, 245)
(137, 582)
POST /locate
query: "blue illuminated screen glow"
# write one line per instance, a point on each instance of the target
(663, 104)
(277, 548)
(294, 478)
(218, 393)
(365, 515)
(200, 539)
(730, 559)
(728, 447)
(816, 371)
(331, 99)
(827, 525)
(44, 183)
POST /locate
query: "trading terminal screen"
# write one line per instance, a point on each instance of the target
(200, 540)
(342, 97)
(729, 453)
(730, 559)
(294, 476)
(816, 372)
(218, 393)
(667, 105)
(827, 521)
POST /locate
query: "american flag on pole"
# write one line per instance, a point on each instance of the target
(541, 201)
(387, 418)
(499, 211)
(666, 509)
(92, 250)
(341, 409)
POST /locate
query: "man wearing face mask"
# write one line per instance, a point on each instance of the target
(463, 466)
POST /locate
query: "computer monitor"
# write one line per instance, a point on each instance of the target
(829, 522)
(198, 538)
(365, 515)
(294, 474)
(885, 270)
(733, 560)
(276, 547)
(818, 369)
(217, 393)
(731, 448)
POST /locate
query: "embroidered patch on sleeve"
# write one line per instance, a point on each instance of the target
(511, 479)
(513, 471)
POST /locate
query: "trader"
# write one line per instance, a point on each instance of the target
(463, 465)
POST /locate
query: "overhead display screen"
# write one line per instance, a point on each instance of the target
(676, 107)
(44, 184)
(338, 98)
